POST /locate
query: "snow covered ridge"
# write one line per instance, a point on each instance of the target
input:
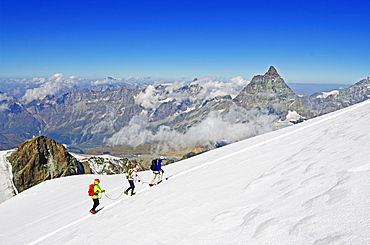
(7, 187)
(305, 184)
(104, 164)
(322, 103)
(324, 95)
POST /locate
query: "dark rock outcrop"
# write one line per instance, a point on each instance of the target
(40, 159)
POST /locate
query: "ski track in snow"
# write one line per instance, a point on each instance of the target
(226, 219)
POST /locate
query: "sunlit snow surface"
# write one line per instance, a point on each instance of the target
(305, 184)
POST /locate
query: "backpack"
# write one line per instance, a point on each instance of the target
(91, 190)
(153, 167)
(129, 172)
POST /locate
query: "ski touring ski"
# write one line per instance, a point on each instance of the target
(96, 211)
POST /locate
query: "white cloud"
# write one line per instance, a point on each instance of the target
(149, 98)
(3, 107)
(231, 127)
(111, 80)
(107, 123)
(4, 98)
(214, 88)
(49, 86)
(107, 81)
(154, 95)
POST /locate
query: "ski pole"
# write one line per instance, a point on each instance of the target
(142, 182)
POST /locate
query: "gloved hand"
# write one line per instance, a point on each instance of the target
(138, 180)
(103, 190)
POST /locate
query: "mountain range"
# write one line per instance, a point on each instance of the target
(159, 115)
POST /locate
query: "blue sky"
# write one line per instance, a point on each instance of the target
(307, 41)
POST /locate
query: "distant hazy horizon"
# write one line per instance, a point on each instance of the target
(311, 88)
(17, 88)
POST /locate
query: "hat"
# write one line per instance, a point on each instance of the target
(137, 167)
(97, 180)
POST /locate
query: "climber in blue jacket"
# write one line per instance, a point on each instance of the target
(159, 167)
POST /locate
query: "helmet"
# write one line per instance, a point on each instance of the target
(97, 180)
(162, 157)
(137, 167)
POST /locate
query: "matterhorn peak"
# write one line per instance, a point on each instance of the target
(272, 93)
(272, 72)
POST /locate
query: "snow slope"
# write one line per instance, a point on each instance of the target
(305, 184)
(7, 188)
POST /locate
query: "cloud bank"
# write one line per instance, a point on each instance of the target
(40, 87)
(236, 125)
(213, 88)
(203, 89)
(4, 98)
(49, 86)
(130, 81)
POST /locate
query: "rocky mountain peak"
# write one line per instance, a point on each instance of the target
(272, 93)
(40, 159)
(272, 72)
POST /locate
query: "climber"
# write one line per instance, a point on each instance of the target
(132, 176)
(95, 195)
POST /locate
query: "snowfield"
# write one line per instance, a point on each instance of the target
(305, 184)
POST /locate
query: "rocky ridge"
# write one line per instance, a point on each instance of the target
(40, 159)
(322, 103)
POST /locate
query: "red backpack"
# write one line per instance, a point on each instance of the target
(91, 190)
